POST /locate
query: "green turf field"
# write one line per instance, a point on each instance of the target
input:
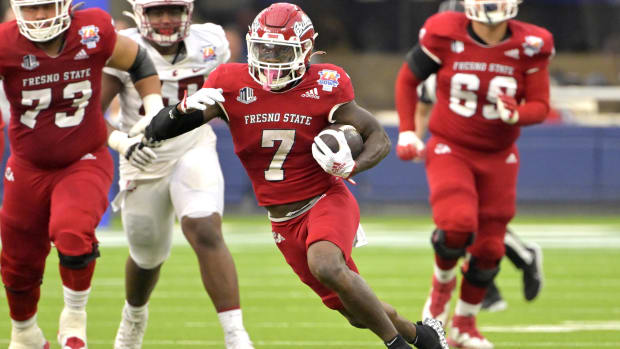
(578, 308)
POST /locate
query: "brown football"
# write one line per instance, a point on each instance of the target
(354, 139)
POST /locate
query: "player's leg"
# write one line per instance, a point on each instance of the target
(78, 200)
(454, 202)
(148, 219)
(528, 257)
(331, 227)
(197, 192)
(496, 181)
(25, 246)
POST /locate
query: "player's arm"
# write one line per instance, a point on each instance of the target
(422, 114)
(133, 58)
(417, 67)
(192, 112)
(376, 142)
(535, 108)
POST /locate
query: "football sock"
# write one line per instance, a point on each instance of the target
(231, 320)
(21, 325)
(23, 305)
(397, 342)
(75, 300)
(471, 293)
(135, 312)
(77, 279)
(444, 276)
(466, 309)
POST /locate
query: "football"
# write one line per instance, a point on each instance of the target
(354, 139)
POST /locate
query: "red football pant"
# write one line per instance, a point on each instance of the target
(334, 218)
(62, 206)
(472, 192)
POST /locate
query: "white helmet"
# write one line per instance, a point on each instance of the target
(491, 11)
(148, 31)
(46, 29)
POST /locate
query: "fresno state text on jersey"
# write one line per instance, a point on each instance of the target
(473, 74)
(56, 116)
(273, 131)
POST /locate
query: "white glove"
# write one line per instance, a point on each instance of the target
(341, 163)
(138, 155)
(201, 99)
(508, 109)
(410, 147)
(140, 126)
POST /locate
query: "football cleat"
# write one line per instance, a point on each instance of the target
(72, 329)
(493, 300)
(238, 339)
(28, 338)
(437, 304)
(533, 273)
(131, 330)
(464, 334)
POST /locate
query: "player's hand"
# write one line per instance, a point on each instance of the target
(132, 148)
(507, 108)
(200, 100)
(410, 147)
(341, 163)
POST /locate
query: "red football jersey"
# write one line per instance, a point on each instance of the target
(56, 114)
(472, 74)
(273, 131)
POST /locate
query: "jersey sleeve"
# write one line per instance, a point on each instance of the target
(541, 49)
(217, 36)
(430, 38)
(344, 93)
(107, 32)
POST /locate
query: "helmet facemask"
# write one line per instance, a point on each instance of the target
(276, 63)
(491, 11)
(162, 34)
(46, 29)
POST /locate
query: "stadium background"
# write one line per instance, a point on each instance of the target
(568, 196)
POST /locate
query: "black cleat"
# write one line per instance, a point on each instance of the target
(430, 335)
(493, 300)
(533, 273)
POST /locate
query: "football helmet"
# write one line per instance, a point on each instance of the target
(162, 35)
(280, 42)
(491, 11)
(45, 29)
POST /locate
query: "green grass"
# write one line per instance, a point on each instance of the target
(578, 308)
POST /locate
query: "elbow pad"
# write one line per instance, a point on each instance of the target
(169, 123)
(142, 66)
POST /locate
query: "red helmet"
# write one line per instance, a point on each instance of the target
(280, 42)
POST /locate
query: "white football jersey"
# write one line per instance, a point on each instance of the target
(206, 48)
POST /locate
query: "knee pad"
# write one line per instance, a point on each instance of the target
(479, 277)
(79, 262)
(438, 239)
(149, 244)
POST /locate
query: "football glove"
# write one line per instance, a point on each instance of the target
(200, 100)
(410, 147)
(507, 108)
(340, 163)
(132, 148)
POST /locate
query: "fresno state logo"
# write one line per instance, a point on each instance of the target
(328, 79)
(90, 36)
(302, 27)
(532, 45)
(208, 53)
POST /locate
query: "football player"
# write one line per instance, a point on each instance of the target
(185, 178)
(526, 256)
(275, 106)
(58, 176)
(492, 78)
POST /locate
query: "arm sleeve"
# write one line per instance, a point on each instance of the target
(406, 97)
(536, 106)
(420, 63)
